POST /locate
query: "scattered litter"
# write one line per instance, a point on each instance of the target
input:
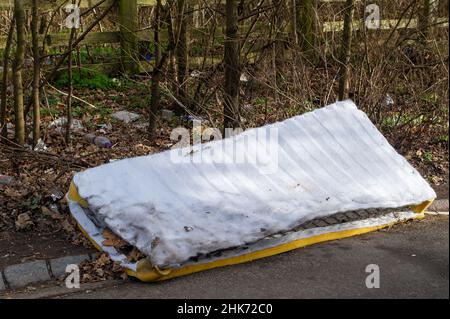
(56, 195)
(166, 114)
(100, 141)
(5, 180)
(10, 128)
(248, 107)
(191, 118)
(48, 61)
(148, 57)
(388, 101)
(243, 78)
(28, 62)
(196, 74)
(104, 128)
(54, 208)
(125, 116)
(23, 222)
(40, 146)
(61, 124)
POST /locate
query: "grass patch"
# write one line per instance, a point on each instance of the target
(428, 156)
(443, 138)
(86, 79)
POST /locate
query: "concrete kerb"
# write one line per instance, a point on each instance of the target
(58, 265)
(22, 275)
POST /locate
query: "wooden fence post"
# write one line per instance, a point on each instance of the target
(427, 15)
(306, 23)
(128, 18)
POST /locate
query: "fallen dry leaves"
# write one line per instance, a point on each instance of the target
(24, 222)
(112, 239)
(100, 269)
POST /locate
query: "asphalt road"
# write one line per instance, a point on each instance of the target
(412, 259)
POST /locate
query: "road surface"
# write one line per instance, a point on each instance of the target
(412, 259)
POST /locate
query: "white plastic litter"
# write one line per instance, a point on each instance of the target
(327, 161)
(166, 114)
(125, 116)
(243, 78)
(5, 180)
(40, 146)
(61, 124)
(388, 101)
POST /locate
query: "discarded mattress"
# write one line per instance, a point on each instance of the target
(184, 203)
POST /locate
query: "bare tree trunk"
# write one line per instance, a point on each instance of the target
(278, 45)
(156, 75)
(160, 60)
(19, 13)
(3, 110)
(171, 68)
(70, 90)
(293, 21)
(36, 75)
(345, 50)
(43, 24)
(232, 67)
(181, 52)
